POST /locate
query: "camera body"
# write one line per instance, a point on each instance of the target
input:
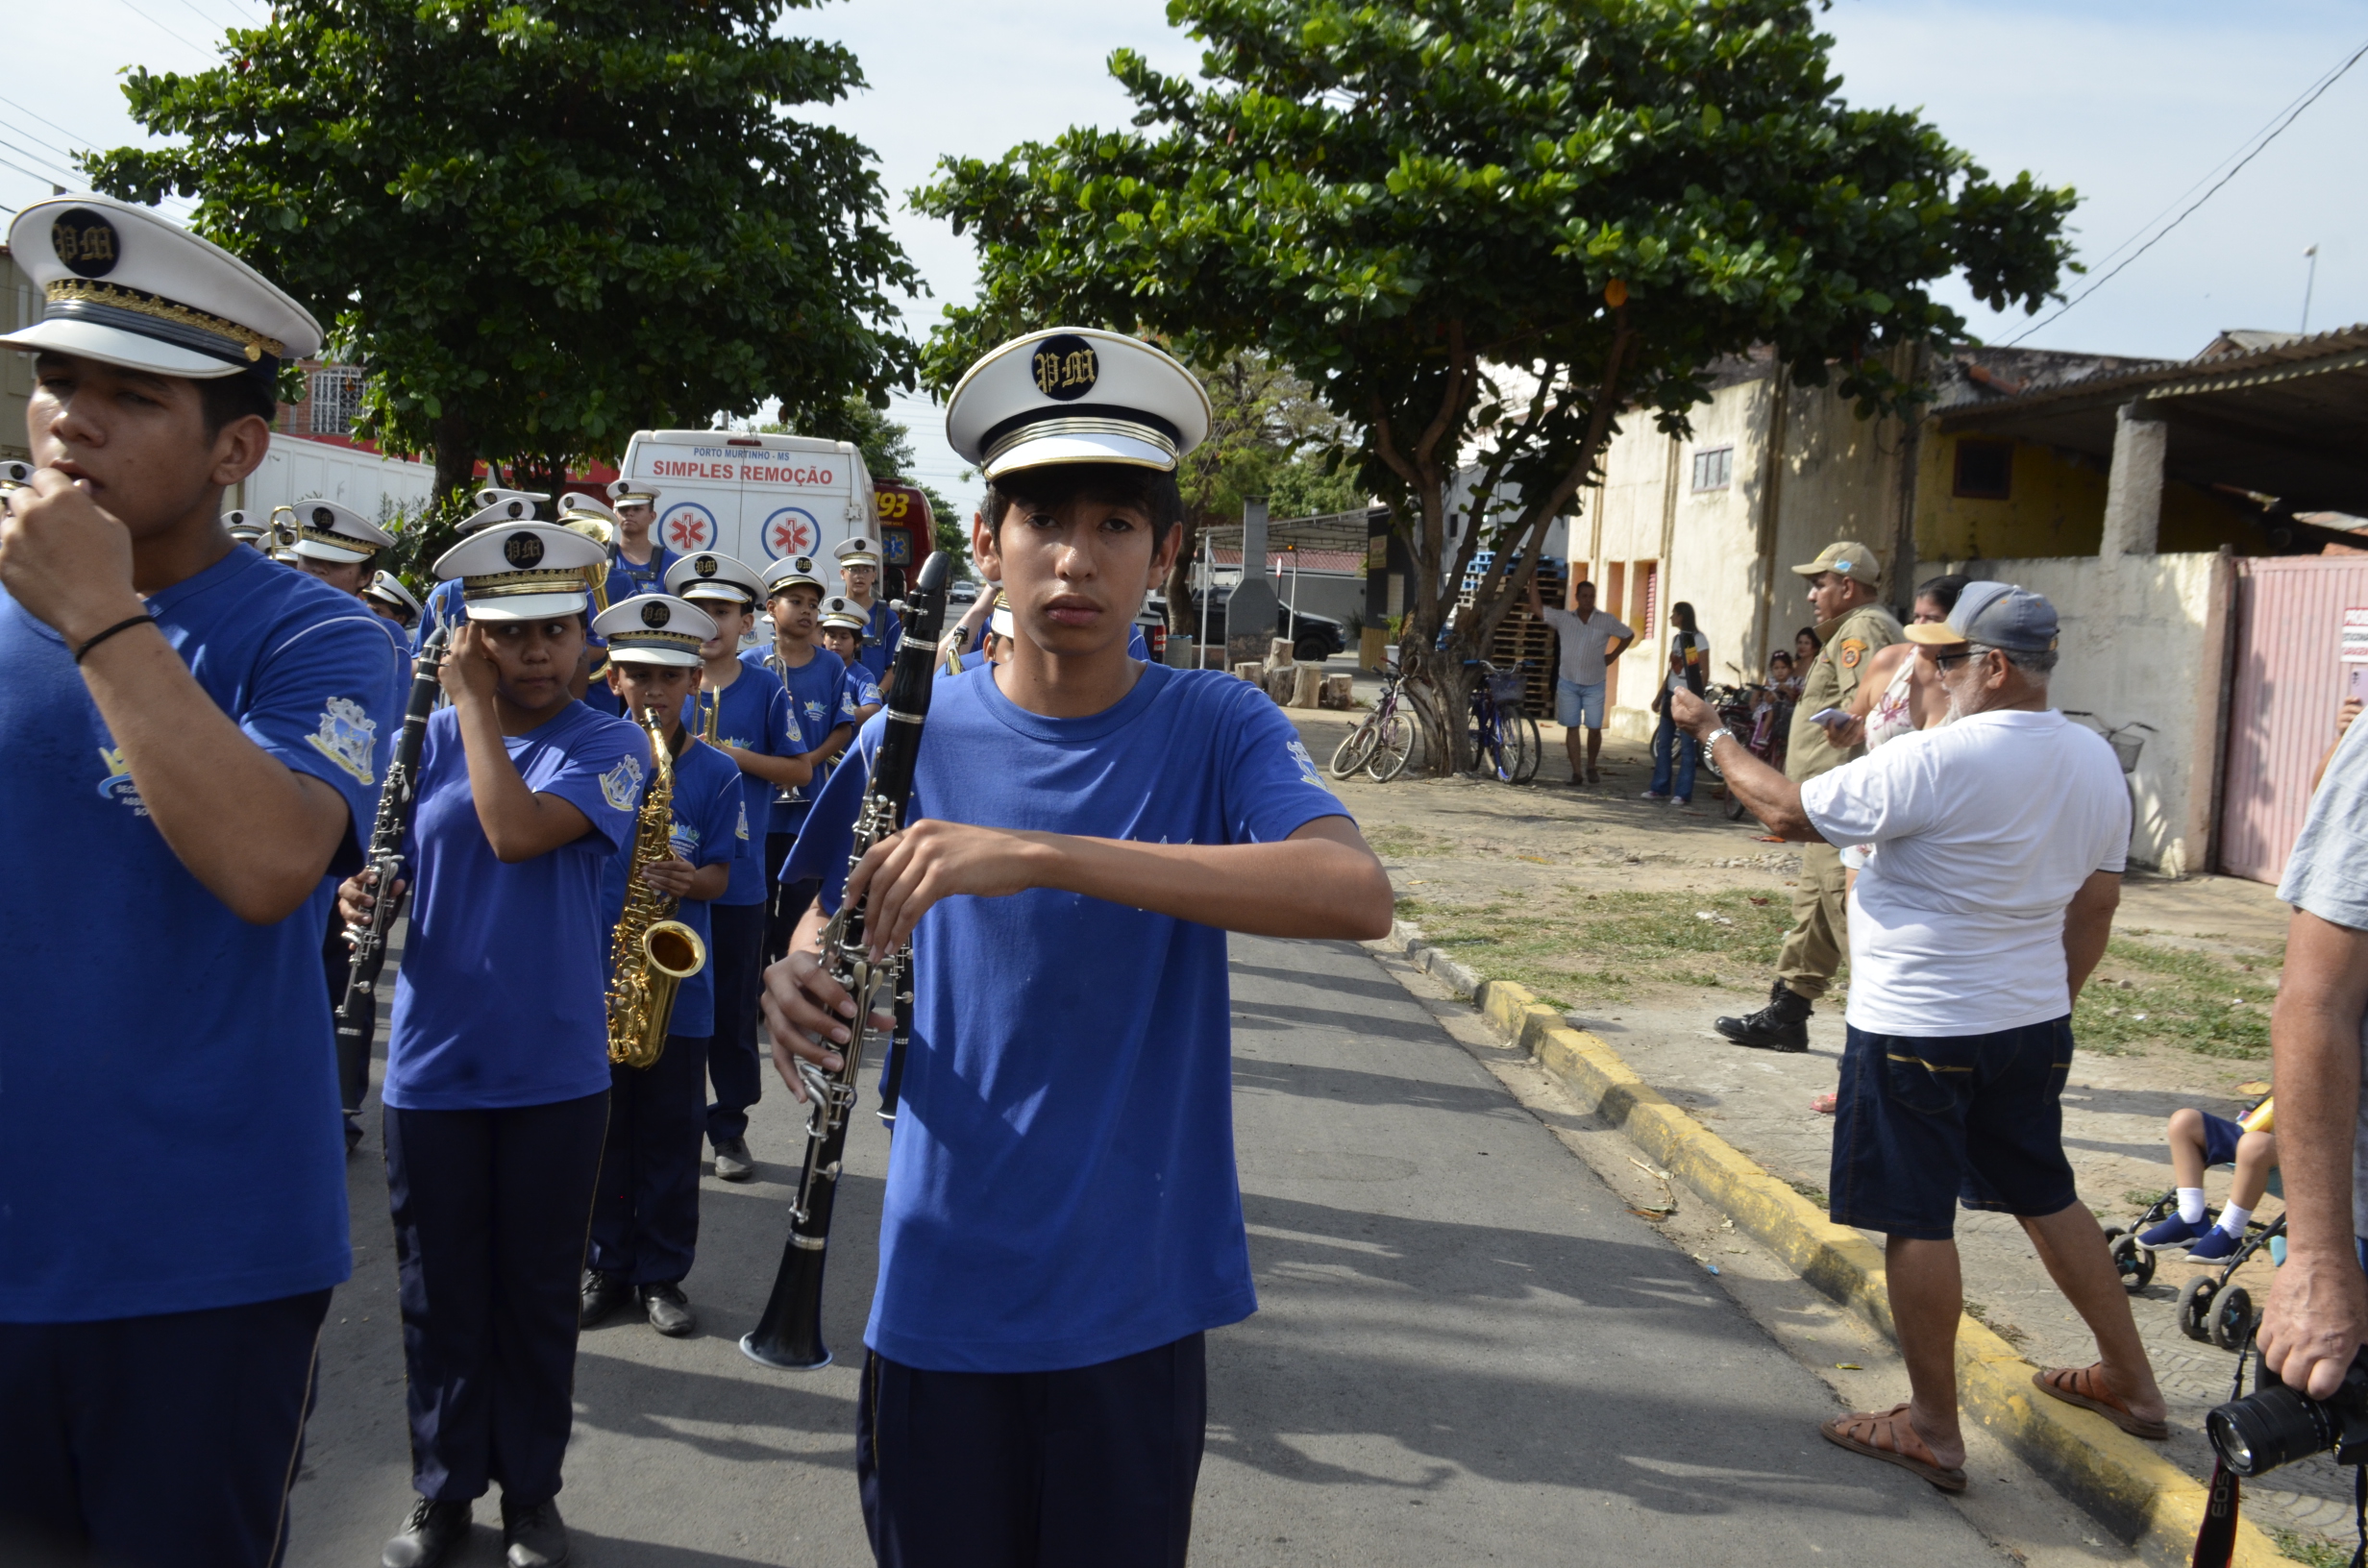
(2276, 1425)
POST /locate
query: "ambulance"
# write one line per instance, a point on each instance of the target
(760, 498)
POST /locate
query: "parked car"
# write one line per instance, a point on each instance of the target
(1314, 638)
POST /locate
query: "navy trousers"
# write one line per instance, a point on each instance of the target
(155, 1442)
(785, 902)
(1091, 1467)
(490, 1212)
(735, 941)
(645, 1221)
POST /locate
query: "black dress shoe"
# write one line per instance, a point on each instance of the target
(1783, 1025)
(428, 1535)
(602, 1295)
(668, 1309)
(533, 1536)
(732, 1160)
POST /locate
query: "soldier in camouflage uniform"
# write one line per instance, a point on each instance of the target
(1844, 582)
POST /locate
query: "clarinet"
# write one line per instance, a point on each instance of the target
(358, 1014)
(790, 1334)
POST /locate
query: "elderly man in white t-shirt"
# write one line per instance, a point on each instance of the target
(1589, 642)
(1999, 843)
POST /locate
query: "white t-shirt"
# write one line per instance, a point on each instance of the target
(1986, 828)
(1584, 643)
(2328, 876)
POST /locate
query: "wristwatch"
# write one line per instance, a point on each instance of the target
(1712, 739)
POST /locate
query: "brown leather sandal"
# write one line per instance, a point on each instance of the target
(2085, 1386)
(1888, 1436)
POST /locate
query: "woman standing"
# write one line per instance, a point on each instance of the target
(497, 1069)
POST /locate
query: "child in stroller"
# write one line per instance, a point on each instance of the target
(2200, 1140)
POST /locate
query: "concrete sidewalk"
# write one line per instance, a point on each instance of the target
(1469, 1350)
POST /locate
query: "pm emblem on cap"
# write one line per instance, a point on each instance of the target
(704, 566)
(654, 615)
(522, 551)
(1064, 367)
(324, 517)
(85, 242)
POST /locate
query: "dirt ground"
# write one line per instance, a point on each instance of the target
(1550, 884)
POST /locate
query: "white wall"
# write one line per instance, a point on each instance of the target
(296, 469)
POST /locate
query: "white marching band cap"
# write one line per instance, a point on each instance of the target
(493, 495)
(1076, 394)
(242, 527)
(632, 493)
(508, 506)
(327, 531)
(124, 287)
(790, 571)
(838, 610)
(589, 516)
(710, 575)
(527, 572)
(654, 628)
(857, 552)
(389, 590)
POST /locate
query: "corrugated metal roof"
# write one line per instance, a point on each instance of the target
(2341, 349)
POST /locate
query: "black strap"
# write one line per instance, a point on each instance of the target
(143, 619)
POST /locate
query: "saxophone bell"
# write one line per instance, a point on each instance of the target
(652, 953)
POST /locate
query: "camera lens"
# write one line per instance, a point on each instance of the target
(2268, 1427)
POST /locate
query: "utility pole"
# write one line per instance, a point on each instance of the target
(2310, 279)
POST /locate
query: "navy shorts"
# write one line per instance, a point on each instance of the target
(1921, 1123)
(2220, 1136)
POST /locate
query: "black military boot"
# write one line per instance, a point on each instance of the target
(1783, 1025)
(428, 1535)
(601, 1294)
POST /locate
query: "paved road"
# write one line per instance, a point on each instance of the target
(1468, 1351)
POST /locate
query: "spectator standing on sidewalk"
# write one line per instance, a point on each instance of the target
(1589, 641)
(1844, 582)
(1974, 926)
(1687, 670)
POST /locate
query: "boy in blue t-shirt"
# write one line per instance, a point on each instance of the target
(1062, 1220)
(645, 1218)
(191, 741)
(744, 713)
(827, 716)
(843, 624)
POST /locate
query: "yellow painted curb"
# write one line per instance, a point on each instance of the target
(2125, 1481)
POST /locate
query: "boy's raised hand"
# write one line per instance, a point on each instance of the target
(908, 871)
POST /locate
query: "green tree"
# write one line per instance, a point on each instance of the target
(1484, 230)
(542, 224)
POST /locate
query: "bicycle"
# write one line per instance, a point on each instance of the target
(1503, 739)
(1383, 740)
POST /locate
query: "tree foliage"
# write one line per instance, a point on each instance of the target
(1484, 229)
(542, 224)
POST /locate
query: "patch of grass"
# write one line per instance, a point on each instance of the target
(1607, 946)
(2199, 1001)
(2141, 1199)
(2000, 1326)
(1812, 1192)
(2315, 1550)
(1396, 841)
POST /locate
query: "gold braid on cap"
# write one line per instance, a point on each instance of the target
(510, 584)
(116, 297)
(1082, 425)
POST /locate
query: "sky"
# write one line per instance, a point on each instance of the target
(2132, 104)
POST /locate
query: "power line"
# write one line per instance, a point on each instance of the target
(2313, 96)
(160, 27)
(48, 163)
(45, 120)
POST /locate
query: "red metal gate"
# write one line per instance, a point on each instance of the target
(2282, 713)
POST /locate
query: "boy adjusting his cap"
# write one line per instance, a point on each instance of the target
(1062, 1220)
(189, 746)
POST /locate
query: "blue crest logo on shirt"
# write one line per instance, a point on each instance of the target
(347, 737)
(621, 785)
(1307, 763)
(744, 820)
(117, 785)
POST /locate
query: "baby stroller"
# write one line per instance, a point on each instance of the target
(2209, 1309)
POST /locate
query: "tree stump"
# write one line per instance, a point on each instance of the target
(1254, 674)
(1338, 691)
(1306, 685)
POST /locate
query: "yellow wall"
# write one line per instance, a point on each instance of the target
(2055, 507)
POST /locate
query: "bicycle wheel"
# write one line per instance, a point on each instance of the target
(1393, 745)
(1523, 738)
(1356, 750)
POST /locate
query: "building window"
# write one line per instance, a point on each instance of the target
(1985, 470)
(1714, 468)
(1644, 610)
(336, 400)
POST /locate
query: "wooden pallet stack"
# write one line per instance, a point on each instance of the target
(1522, 636)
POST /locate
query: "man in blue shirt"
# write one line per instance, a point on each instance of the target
(1062, 1221)
(640, 561)
(190, 741)
(825, 714)
(859, 561)
(744, 713)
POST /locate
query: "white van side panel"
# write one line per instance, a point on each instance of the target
(756, 497)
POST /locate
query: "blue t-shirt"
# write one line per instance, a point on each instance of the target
(443, 608)
(1061, 1190)
(879, 640)
(1136, 647)
(504, 999)
(626, 579)
(706, 826)
(819, 697)
(753, 713)
(200, 1042)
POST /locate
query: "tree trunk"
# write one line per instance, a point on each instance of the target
(1182, 619)
(456, 461)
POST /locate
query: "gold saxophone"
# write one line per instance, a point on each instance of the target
(652, 953)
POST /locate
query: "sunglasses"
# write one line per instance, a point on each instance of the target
(1946, 662)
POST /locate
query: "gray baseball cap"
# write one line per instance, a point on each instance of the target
(1995, 615)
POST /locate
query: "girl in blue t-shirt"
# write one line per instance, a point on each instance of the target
(497, 1067)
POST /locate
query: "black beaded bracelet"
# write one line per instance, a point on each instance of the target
(142, 620)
